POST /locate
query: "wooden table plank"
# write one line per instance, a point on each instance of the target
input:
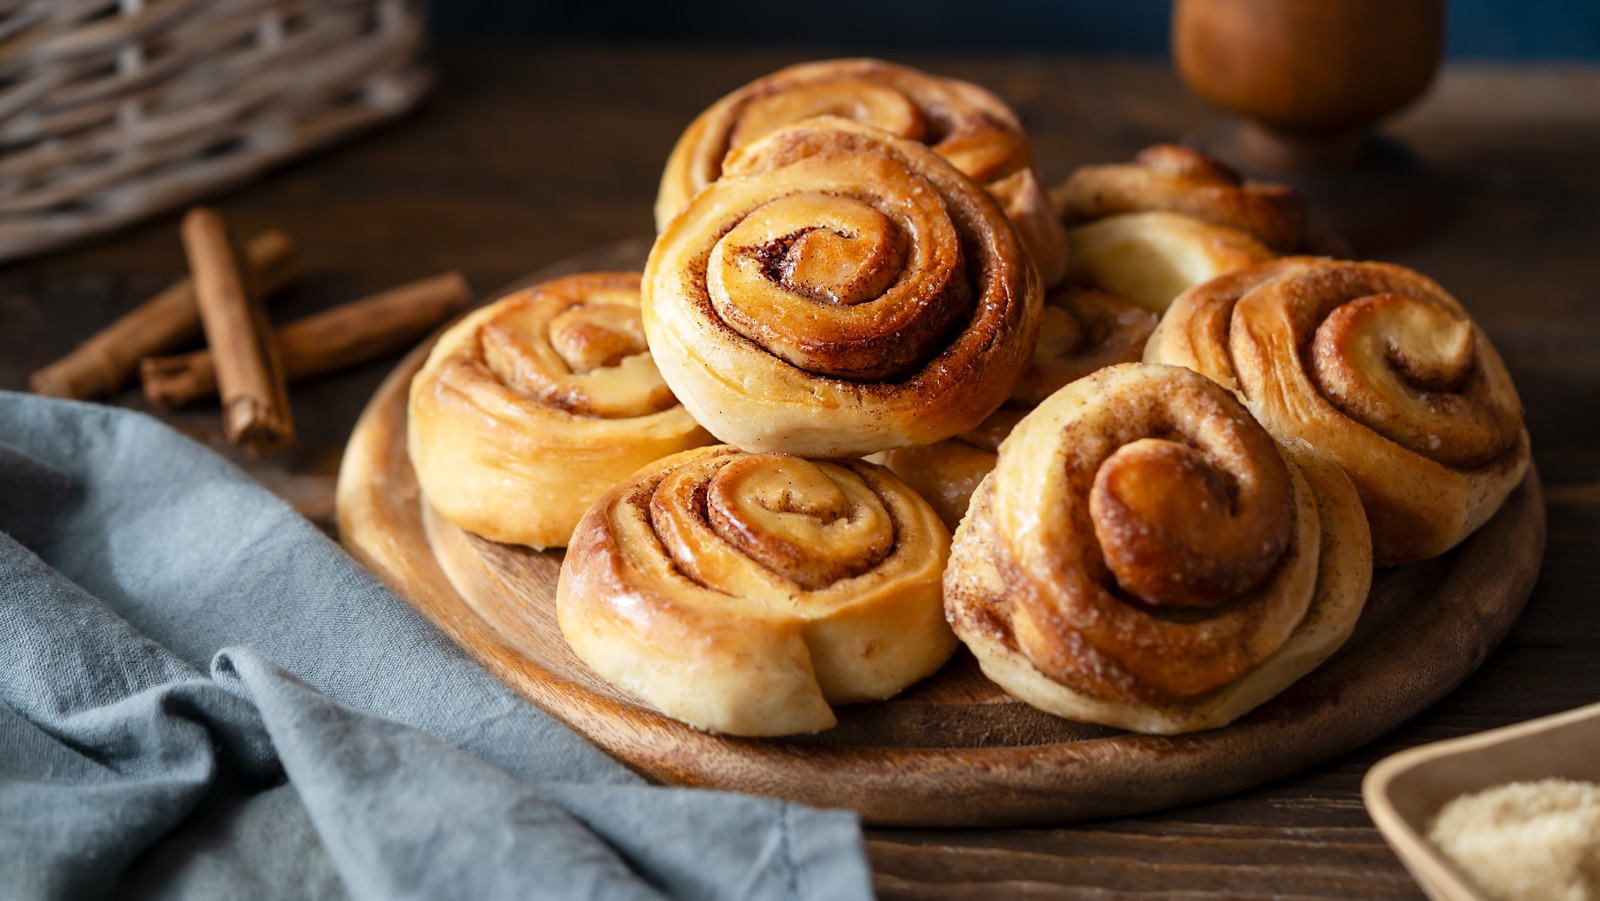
(530, 154)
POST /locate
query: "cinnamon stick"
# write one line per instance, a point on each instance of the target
(160, 325)
(325, 342)
(255, 400)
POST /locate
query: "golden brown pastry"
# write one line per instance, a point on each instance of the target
(1378, 368)
(1177, 179)
(947, 473)
(839, 291)
(1150, 258)
(1084, 330)
(746, 593)
(962, 122)
(1144, 555)
(1028, 206)
(529, 408)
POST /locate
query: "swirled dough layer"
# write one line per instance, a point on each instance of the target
(967, 125)
(1084, 331)
(1377, 367)
(837, 292)
(529, 408)
(1177, 179)
(748, 593)
(1144, 555)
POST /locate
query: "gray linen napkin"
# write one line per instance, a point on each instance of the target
(201, 696)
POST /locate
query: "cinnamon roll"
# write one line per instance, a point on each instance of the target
(1083, 330)
(1377, 367)
(839, 291)
(1150, 258)
(747, 593)
(962, 122)
(1146, 556)
(528, 409)
(1177, 179)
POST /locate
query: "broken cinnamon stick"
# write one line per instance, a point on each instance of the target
(325, 342)
(255, 399)
(160, 325)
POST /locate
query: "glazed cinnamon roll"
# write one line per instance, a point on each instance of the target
(1375, 366)
(528, 409)
(962, 122)
(1084, 330)
(747, 593)
(1146, 556)
(1177, 179)
(839, 291)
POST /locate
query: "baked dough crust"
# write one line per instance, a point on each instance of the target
(1378, 368)
(1084, 330)
(1178, 179)
(531, 407)
(1049, 578)
(967, 125)
(747, 593)
(839, 291)
(1152, 257)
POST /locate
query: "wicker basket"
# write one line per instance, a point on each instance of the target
(111, 110)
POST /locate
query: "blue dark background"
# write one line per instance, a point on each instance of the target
(1475, 29)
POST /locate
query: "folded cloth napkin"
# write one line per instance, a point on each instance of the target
(202, 696)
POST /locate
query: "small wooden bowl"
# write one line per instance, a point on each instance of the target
(1404, 791)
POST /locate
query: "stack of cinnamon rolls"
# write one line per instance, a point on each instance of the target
(878, 393)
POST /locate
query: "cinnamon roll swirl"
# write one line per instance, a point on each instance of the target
(1377, 367)
(746, 593)
(528, 409)
(1084, 330)
(1144, 555)
(839, 291)
(967, 125)
(1177, 179)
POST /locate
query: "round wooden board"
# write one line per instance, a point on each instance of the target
(954, 750)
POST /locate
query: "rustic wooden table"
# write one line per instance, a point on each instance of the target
(528, 155)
